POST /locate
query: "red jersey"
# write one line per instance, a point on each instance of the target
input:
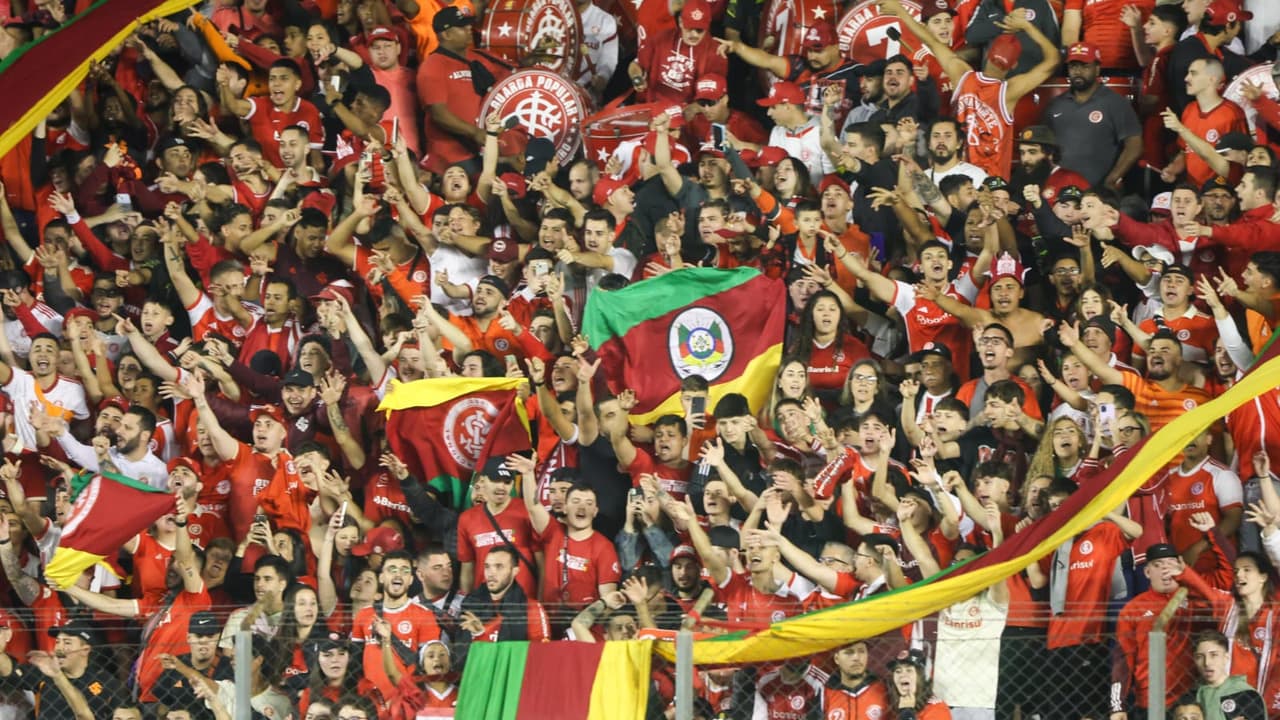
(412, 626)
(929, 325)
(672, 67)
(747, 605)
(674, 480)
(868, 701)
(829, 366)
(781, 700)
(1155, 83)
(204, 526)
(476, 537)
(205, 318)
(572, 569)
(282, 341)
(251, 473)
(445, 78)
(437, 705)
(1196, 331)
(1092, 565)
(266, 121)
(979, 103)
(166, 633)
(1225, 117)
(1208, 487)
(945, 86)
(150, 565)
(537, 627)
(1101, 27)
(384, 500)
(1255, 426)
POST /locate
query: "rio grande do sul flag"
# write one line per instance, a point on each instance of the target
(565, 680)
(443, 429)
(106, 511)
(725, 325)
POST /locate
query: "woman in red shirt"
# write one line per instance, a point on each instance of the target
(828, 346)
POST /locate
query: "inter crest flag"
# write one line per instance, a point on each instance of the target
(446, 428)
(725, 325)
(106, 511)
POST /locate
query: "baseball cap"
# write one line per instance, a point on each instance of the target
(733, 405)
(116, 401)
(696, 15)
(913, 657)
(995, 182)
(330, 641)
(516, 186)
(710, 87)
(80, 311)
(1234, 141)
(503, 251)
(1004, 52)
(333, 291)
(874, 540)
(1215, 183)
(299, 377)
(770, 155)
(78, 628)
(1225, 12)
(451, 17)
(875, 68)
(184, 462)
(1100, 322)
(1070, 193)
(683, 551)
(605, 187)
(168, 142)
(724, 536)
(381, 32)
(709, 148)
(1039, 135)
(513, 141)
(380, 540)
(495, 468)
(822, 35)
(931, 8)
(783, 91)
(1159, 551)
(496, 283)
(537, 154)
(14, 279)
(1155, 251)
(1161, 204)
(272, 411)
(938, 349)
(204, 624)
(833, 179)
(1179, 269)
(1006, 267)
(1084, 52)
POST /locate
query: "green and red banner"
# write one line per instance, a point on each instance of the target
(564, 680)
(107, 510)
(445, 429)
(725, 325)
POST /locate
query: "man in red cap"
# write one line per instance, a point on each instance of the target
(669, 63)
(389, 72)
(984, 100)
(711, 105)
(1097, 130)
(794, 130)
(819, 65)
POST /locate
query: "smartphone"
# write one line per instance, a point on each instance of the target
(698, 405)
(342, 513)
(125, 201)
(1106, 413)
(512, 363)
(259, 517)
(541, 268)
(336, 82)
(634, 494)
(717, 134)
(395, 130)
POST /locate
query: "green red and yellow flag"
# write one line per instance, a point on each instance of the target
(444, 429)
(564, 680)
(107, 510)
(725, 325)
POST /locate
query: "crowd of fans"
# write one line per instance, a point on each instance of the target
(248, 222)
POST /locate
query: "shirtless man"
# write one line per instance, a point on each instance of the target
(1006, 290)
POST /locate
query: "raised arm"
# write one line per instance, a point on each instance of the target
(951, 63)
(1069, 336)
(226, 446)
(527, 469)
(1022, 84)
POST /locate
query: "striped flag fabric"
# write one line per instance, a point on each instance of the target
(565, 680)
(725, 325)
(444, 429)
(107, 510)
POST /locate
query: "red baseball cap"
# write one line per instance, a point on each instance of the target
(1004, 52)
(502, 250)
(696, 15)
(380, 540)
(710, 87)
(1084, 52)
(272, 411)
(931, 8)
(783, 91)
(1225, 12)
(821, 36)
(1006, 267)
(333, 291)
(185, 462)
(515, 183)
(80, 311)
(605, 187)
(709, 148)
(770, 155)
(833, 179)
(381, 32)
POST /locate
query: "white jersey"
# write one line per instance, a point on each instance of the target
(65, 399)
(804, 144)
(600, 38)
(463, 269)
(20, 338)
(969, 170)
(965, 662)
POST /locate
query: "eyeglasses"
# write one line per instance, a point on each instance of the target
(869, 556)
(859, 377)
(830, 560)
(992, 340)
(353, 717)
(1129, 429)
(1066, 271)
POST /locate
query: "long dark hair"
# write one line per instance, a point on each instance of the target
(803, 344)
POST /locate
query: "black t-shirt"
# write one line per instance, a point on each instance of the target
(100, 689)
(174, 691)
(598, 467)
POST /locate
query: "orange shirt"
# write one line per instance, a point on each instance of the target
(494, 339)
(1159, 405)
(979, 103)
(1226, 117)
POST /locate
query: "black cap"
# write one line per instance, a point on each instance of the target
(995, 182)
(204, 624)
(938, 349)
(732, 405)
(330, 641)
(78, 628)
(1216, 183)
(451, 17)
(266, 362)
(920, 494)
(1179, 269)
(1070, 192)
(537, 154)
(299, 377)
(1234, 141)
(1162, 550)
(168, 142)
(875, 68)
(495, 468)
(874, 540)
(496, 283)
(15, 279)
(724, 536)
(1038, 135)
(1164, 332)
(913, 657)
(1101, 322)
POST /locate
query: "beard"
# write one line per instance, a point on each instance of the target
(1022, 176)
